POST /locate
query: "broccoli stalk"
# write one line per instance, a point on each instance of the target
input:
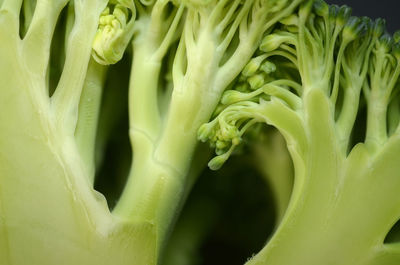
(216, 40)
(49, 210)
(345, 198)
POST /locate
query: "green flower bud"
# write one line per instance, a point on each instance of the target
(252, 66)
(290, 20)
(228, 132)
(379, 27)
(353, 28)
(113, 35)
(385, 43)
(231, 96)
(272, 41)
(321, 8)
(236, 140)
(205, 132)
(343, 15)
(221, 145)
(217, 162)
(256, 81)
(268, 67)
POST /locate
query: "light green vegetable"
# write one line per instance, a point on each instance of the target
(333, 73)
(54, 60)
(198, 69)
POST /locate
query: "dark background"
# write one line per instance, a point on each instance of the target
(387, 9)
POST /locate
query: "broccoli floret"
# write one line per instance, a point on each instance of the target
(344, 198)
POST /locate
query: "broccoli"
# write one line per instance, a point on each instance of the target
(54, 62)
(317, 78)
(208, 70)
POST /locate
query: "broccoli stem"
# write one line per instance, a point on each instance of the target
(89, 108)
(151, 193)
(143, 101)
(376, 122)
(158, 180)
(325, 222)
(348, 115)
(164, 143)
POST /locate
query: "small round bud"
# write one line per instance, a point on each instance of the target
(228, 132)
(272, 42)
(205, 132)
(236, 140)
(352, 29)
(252, 66)
(256, 81)
(367, 21)
(343, 15)
(113, 35)
(121, 14)
(333, 11)
(221, 145)
(217, 162)
(385, 43)
(379, 27)
(321, 8)
(231, 96)
(268, 67)
(292, 20)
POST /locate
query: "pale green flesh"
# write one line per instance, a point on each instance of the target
(50, 213)
(341, 209)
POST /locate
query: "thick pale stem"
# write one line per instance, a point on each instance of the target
(65, 100)
(157, 183)
(153, 190)
(151, 193)
(180, 135)
(143, 106)
(89, 108)
(348, 114)
(377, 105)
(40, 34)
(376, 120)
(342, 216)
(340, 211)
